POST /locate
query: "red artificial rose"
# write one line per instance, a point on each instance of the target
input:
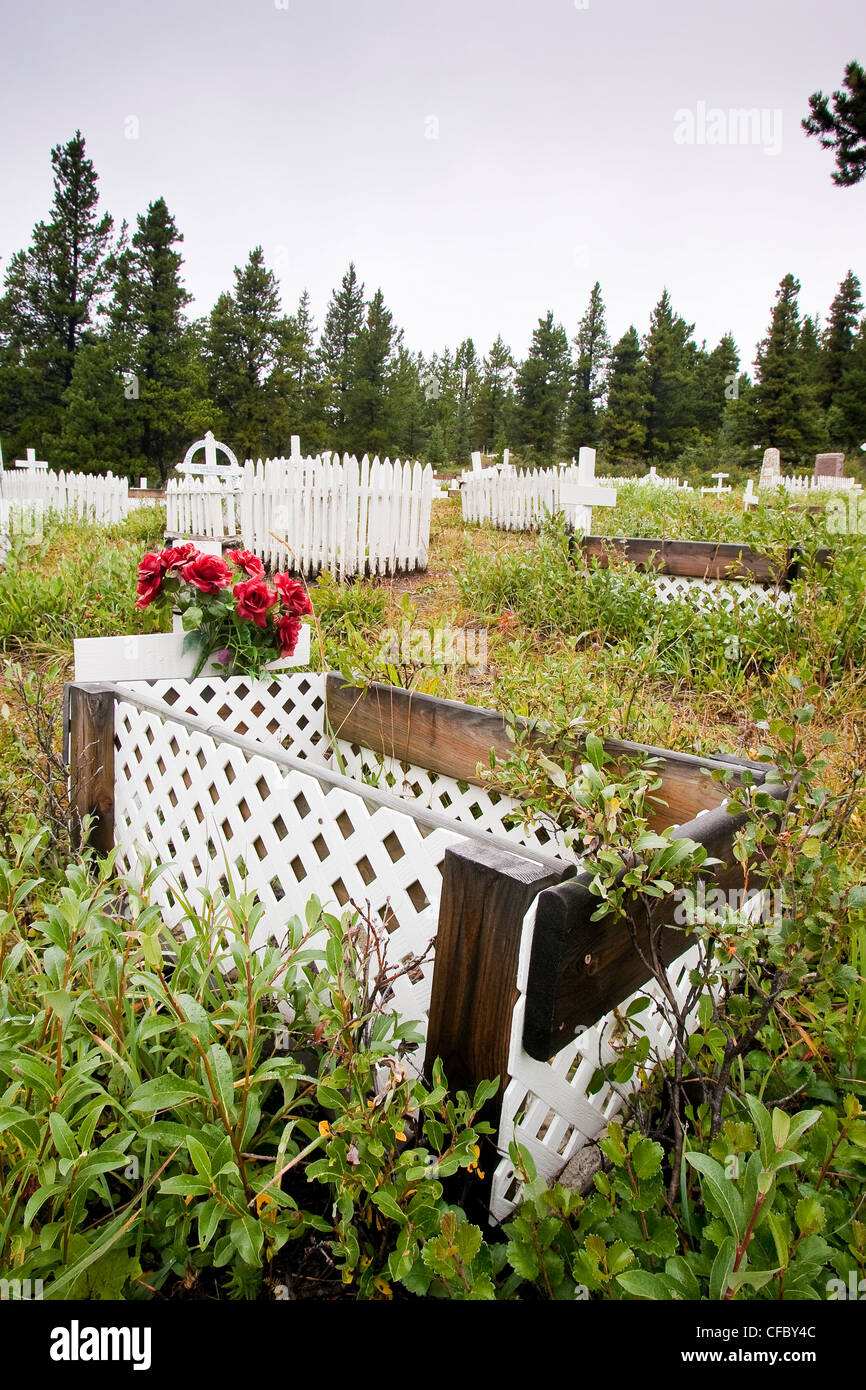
(248, 562)
(150, 576)
(176, 556)
(254, 599)
(288, 632)
(293, 595)
(210, 573)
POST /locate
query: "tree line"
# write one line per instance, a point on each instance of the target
(101, 366)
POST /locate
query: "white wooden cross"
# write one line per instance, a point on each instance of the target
(231, 471)
(31, 462)
(719, 488)
(577, 500)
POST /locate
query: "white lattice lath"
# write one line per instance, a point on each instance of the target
(204, 807)
(718, 593)
(465, 802)
(545, 1106)
(285, 711)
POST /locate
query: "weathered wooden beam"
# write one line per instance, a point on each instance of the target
(485, 896)
(89, 740)
(579, 969)
(691, 559)
(451, 738)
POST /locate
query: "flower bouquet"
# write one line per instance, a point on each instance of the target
(229, 611)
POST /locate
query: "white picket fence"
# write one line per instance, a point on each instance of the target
(312, 514)
(806, 484)
(93, 497)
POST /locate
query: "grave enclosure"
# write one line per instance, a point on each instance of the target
(372, 797)
(706, 573)
(347, 516)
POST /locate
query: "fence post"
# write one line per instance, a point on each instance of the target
(89, 725)
(486, 893)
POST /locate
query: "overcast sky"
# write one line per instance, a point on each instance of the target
(481, 160)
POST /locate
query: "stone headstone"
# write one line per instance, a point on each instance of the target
(829, 466)
(506, 455)
(771, 469)
(295, 447)
(476, 461)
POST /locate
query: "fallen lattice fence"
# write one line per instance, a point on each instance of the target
(372, 798)
(707, 573)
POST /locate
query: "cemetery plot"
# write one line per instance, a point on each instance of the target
(707, 572)
(198, 774)
(312, 514)
(520, 501)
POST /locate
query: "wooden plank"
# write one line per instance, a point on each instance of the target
(452, 738)
(691, 559)
(485, 896)
(89, 722)
(579, 970)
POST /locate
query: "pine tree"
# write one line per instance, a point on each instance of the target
(624, 425)
(542, 388)
(848, 412)
(344, 321)
(495, 406)
(785, 414)
(300, 381)
(407, 428)
(243, 342)
(366, 410)
(843, 129)
(715, 384)
(53, 290)
(467, 367)
(670, 356)
(839, 338)
(588, 382)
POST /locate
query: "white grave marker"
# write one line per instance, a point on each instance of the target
(719, 488)
(231, 471)
(295, 452)
(476, 461)
(577, 500)
(31, 462)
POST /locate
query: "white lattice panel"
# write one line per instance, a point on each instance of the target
(197, 805)
(289, 713)
(286, 712)
(717, 593)
(463, 801)
(545, 1106)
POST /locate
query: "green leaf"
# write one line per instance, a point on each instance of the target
(163, 1092)
(247, 1237)
(721, 1270)
(196, 1016)
(468, 1241)
(646, 1158)
(192, 618)
(64, 1140)
(185, 1185)
(223, 1076)
(642, 1284)
(781, 1128)
(722, 1191)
